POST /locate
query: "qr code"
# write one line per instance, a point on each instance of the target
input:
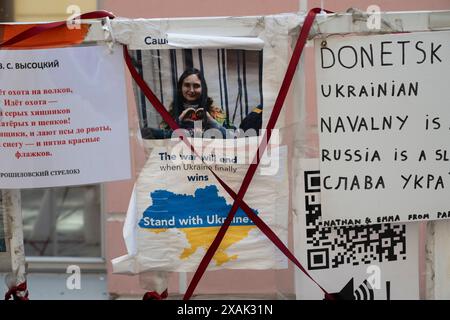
(332, 246)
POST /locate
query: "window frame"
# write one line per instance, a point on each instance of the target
(86, 264)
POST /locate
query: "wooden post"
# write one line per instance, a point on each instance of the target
(5, 255)
(7, 11)
(13, 220)
(438, 260)
(429, 261)
(437, 238)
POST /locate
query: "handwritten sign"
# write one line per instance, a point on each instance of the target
(63, 117)
(384, 127)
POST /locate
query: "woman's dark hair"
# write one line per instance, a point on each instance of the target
(204, 102)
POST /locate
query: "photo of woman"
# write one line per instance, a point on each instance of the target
(200, 97)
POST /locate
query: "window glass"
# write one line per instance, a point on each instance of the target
(62, 221)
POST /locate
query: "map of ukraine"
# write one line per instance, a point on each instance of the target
(199, 217)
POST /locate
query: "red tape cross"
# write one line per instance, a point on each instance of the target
(238, 198)
(238, 202)
(14, 290)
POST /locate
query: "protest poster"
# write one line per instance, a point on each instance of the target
(367, 262)
(171, 222)
(63, 117)
(383, 127)
(219, 85)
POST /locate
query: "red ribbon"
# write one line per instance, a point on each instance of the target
(238, 198)
(52, 25)
(12, 292)
(153, 295)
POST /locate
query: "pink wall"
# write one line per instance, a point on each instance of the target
(117, 194)
(195, 8)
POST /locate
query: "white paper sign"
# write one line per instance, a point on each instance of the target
(63, 117)
(178, 207)
(373, 262)
(384, 127)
